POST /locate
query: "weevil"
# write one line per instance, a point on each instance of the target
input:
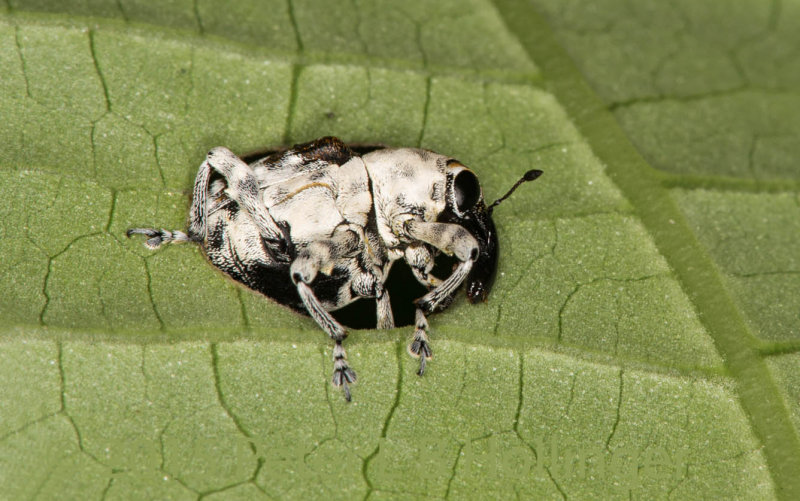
(318, 226)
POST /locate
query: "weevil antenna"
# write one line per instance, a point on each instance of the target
(529, 176)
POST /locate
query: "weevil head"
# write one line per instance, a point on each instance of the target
(466, 207)
(410, 182)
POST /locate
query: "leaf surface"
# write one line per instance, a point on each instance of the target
(642, 337)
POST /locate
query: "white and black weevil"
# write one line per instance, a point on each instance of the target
(318, 226)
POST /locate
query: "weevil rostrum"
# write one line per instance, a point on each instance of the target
(318, 226)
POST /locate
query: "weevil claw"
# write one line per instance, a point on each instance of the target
(343, 376)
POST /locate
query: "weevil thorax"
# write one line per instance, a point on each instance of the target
(407, 183)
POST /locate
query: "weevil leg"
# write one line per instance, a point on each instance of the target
(420, 346)
(426, 279)
(198, 214)
(368, 284)
(384, 309)
(198, 225)
(317, 257)
(343, 375)
(157, 237)
(453, 240)
(420, 260)
(431, 300)
(320, 255)
(243, 189)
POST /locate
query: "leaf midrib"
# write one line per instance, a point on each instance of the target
(698, 274)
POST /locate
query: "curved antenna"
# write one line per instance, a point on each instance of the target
(529, 176)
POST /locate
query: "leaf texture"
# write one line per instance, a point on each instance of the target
(643, 336)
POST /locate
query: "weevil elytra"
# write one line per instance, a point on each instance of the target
(318, 226)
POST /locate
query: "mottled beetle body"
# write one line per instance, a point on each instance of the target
(318, 226)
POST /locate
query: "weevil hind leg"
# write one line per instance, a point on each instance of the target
(420, 346)
(197, 217)
(198, 214)
(157, 237)
(243, 189)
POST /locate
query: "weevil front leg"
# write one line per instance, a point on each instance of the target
(420, 260)
(451, 239)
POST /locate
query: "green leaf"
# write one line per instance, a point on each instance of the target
(642, 337)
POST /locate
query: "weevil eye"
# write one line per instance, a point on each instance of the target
(467, 190)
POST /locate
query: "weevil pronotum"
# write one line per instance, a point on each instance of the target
(318, 226)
